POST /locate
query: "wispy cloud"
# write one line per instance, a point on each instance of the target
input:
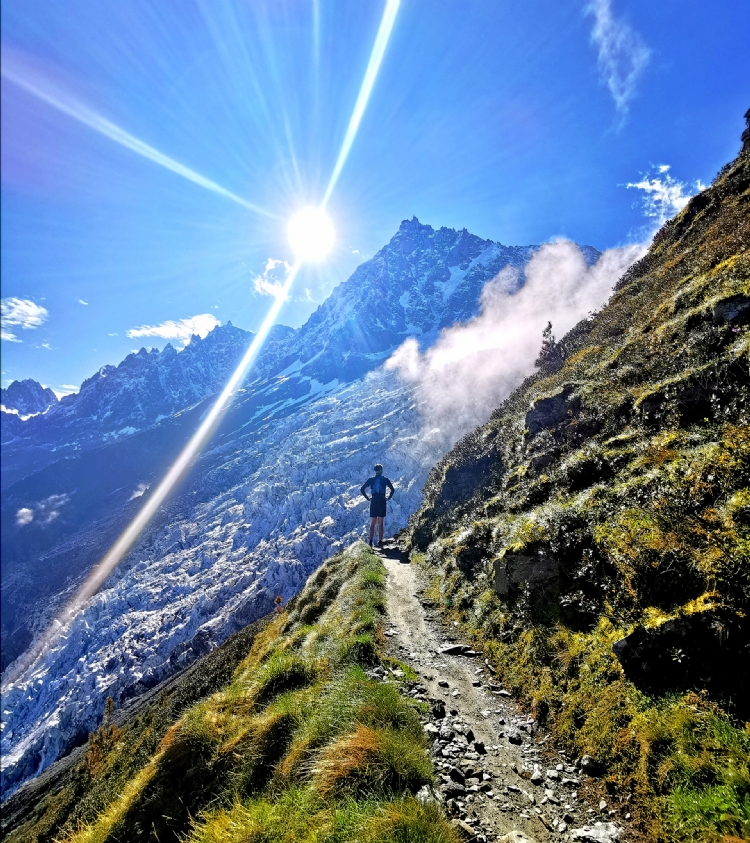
(24, 516)
(21, 313)
(271, 282)
(664, 196)
(622, 53)
(81, 301)
(140, 491)
(182, 330)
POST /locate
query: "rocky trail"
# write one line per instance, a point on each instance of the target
(501, 777)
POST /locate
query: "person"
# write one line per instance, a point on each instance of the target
(377, 486)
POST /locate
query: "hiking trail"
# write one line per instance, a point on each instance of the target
(499, 777)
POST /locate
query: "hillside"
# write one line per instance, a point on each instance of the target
(305, 732)
(594, 534)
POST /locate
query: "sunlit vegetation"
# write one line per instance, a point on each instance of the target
(300, 744)
(633, 503)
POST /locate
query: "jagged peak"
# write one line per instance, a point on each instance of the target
(414, 225)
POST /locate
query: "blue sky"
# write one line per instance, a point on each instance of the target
(519, 121)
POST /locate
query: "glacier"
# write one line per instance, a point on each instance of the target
(288, 499)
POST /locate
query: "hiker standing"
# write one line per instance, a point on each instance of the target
(377, 486)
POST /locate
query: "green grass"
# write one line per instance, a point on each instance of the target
(300, 816)
(300, 745)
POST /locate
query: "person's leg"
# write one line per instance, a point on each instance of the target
(381, 529)
(373, 521)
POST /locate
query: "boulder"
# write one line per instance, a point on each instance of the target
(514, 571)
(591, 766)
(701, 650)
(548, 413)
(734, 310)
(597, 833)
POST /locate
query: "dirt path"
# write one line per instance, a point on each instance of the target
(498, 780)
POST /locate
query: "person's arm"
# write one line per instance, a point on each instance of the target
(390, 486)
(365, 486)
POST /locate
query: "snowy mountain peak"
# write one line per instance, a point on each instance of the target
(27, 397)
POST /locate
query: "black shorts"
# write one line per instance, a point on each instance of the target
(377, 506)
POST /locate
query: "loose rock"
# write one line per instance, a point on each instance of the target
(597, 833)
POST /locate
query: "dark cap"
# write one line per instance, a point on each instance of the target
(378, 469)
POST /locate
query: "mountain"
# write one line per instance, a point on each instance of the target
(117, 401)
(594, 533)
(27, 397)
(272, 496)
(591, 538)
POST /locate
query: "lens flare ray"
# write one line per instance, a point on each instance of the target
(83, 114)
(373, 66)
(176, 473)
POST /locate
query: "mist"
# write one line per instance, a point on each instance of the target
(473, 367)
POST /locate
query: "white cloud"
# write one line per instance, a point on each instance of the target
(271, 282)
(473, 367)
(24, 516)
(81, 301)
(44, 512)
(112, 335)
(183, 330)
(622, 53)
(22, 313)
(664, 196)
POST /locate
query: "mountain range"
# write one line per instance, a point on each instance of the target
(274, 494)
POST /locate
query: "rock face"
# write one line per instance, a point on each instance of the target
(275, 493)
(27, 397)
(515, 572)
(708, 648)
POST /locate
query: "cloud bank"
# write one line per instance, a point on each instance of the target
(183, 330)
(621, 52)
(20, 313)
(473, 367)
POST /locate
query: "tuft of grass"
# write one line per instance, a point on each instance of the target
(372, 761)
(409, 821)
(301, 816)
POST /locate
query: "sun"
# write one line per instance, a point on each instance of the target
(310, 233)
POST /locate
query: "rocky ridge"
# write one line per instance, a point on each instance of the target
(27, 398)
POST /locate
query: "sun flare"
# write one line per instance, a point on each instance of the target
(310, 233)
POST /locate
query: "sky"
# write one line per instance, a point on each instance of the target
(152, 153)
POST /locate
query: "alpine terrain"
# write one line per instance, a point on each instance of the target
(276, 492)
(554, 647)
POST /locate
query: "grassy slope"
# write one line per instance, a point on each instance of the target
(639, 492)
(301, 744)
